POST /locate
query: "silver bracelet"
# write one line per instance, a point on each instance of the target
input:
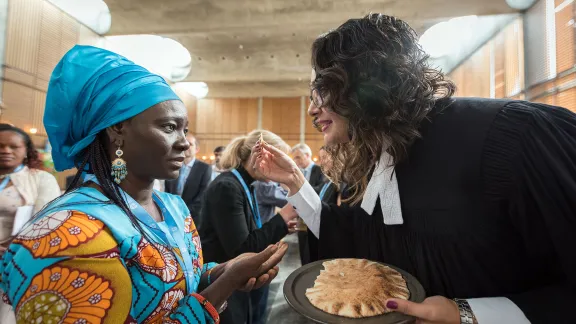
(223, 307)
(466, 314)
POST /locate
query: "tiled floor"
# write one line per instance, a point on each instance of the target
(278, 310)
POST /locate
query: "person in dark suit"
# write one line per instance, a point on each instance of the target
(230, 223)
(302, 156)
(193, 180)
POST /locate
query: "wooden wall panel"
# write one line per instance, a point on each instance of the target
(477, 65)
(498, 63)
(565, 53)
(18, 104)
(37, 35)
(312, 137)
(499, 66)
(38, 103)
(282, 116)
(218, 121)
(70, 34)
(49, 47)
(567, 99)
(23, 23)
(49, 34)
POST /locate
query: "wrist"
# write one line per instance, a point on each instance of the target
(232, 280)
(465, 312)
(296, 182)
(219, 291)
(217, 271)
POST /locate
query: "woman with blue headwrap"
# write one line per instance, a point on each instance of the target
(113, 250)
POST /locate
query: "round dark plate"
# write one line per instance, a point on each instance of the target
(303, 278)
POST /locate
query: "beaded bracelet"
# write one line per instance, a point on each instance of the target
(208, 306)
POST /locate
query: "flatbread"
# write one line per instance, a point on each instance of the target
(356, 288)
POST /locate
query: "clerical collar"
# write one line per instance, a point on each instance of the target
(245, 175)
(384, 185)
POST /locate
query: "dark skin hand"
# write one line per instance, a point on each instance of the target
(246, 272)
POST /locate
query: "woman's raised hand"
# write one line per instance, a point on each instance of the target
(277, 166)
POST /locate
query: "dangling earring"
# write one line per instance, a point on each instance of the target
(119, 170)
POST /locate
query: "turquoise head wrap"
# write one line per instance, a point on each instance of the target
(90, 90)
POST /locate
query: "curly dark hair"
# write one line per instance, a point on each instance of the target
(32, 158)
(373, 72)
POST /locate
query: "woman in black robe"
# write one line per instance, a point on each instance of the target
(474, 197)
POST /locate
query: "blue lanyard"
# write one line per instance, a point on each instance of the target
(253, 204)
(172, 235)
(324, 189)
(4, 182)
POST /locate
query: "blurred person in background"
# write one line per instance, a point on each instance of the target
(270, 196)
(24, 190)
(22, 183)
(230, 222)
(302, 156)
(193, 179)
(216, 167)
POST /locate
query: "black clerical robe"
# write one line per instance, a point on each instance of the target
(488, 199)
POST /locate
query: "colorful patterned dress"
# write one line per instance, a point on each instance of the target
(84, 262)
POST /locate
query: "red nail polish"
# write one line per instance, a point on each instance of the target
(392, 304)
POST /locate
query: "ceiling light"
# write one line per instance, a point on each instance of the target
(33, 130)
(520, 4)
(196, 89)
(445, 37)
(160, 55)
(92, 13)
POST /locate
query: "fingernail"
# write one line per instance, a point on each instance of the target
(392, 304)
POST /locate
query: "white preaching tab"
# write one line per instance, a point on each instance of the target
(383, 184)
(23, 215)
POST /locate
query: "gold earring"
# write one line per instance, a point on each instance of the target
(119, 170)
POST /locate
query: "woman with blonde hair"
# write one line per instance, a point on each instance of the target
(230, 224)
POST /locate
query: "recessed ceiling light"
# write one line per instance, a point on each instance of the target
(435, 41)
(196, 89)
(161, 55)
(520, 4)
